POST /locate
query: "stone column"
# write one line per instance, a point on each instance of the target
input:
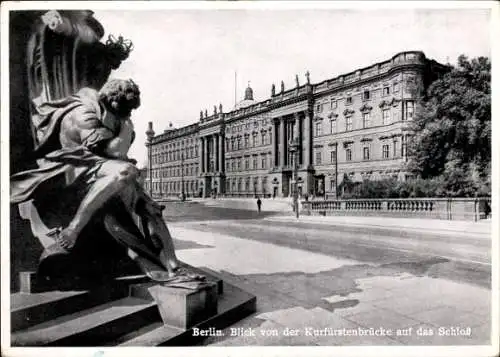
(307, 137)
(202, 155)
(214, 151)
(297, 136)
(273, 149)
(207, 154)
(221, 153)
(282, 141)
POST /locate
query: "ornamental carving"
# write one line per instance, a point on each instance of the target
(365, 108)
(348, 112)
(318, 118)
(333, 115)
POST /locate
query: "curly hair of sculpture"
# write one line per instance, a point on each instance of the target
(120, 96)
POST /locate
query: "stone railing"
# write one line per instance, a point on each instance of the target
(438, 208)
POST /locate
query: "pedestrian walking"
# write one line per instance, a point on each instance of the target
(259, 204)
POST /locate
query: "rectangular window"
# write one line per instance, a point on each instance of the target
(366, 153)
(246, 141)
(366, 120)
(410, 106)
(348, 123)
(318, 157)
(366, 95)
(395, 116)
(239, 165)
(395, 148)
(239, 143)
(385, 91)
(255, 163)
(333, 104)
(247, 164)
(319, 108)
(348, 100)
(264, 161)
(403, 147)
(395, 87)
(385, 116)
(333, 156)
(263, 139)
(332, 186)
(270, 138)
(385, 151)
(318, 129)
(254, 139)
(333, 126)
(348, 154)
(227, 166)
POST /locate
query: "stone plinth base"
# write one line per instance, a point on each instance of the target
(184, 308)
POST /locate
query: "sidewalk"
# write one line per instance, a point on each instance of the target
(480, 229)
(306, 298)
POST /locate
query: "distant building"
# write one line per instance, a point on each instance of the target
(355, 125)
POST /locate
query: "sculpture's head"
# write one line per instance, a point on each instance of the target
(120, 97)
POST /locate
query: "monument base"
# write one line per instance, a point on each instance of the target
(129, 311)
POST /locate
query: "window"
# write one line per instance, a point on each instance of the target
(366, 95)
(227, 166)
(319, 108)
(333, 156)
(348, 123)
(233, 165)
(318, 157)
(247, 164)
(263, 140)
(403, 146)
(332, 186)
(333, 104)
(318, 129)
(254, 139)
(395, 148)
(395, 87)
(348, 154)
(246, 141)
(239, 143)
(264, 161)
(239, 165)
(385, 116)
(366, 120)
(255, 163)
(385, 151)
(333, 126)
(385, 91)
(348, 100)
(366, 153)
(409, 110)
(270, 140)
(395, 116)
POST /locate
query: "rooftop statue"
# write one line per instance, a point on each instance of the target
(273, 90)
(85, 187)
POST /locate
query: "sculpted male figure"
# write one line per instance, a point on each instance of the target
(83, 143)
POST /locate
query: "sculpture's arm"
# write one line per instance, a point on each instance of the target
(118, 147)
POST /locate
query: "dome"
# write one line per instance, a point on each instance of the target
(248, 100)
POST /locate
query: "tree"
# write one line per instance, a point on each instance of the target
(452, 127)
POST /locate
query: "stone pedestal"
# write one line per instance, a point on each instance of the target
(184, 308)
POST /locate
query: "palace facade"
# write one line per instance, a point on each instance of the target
(354, 126)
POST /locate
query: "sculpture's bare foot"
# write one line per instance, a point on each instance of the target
(160, 276)
(170, 263)
(66, 238)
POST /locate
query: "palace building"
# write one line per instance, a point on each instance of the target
(355, 127)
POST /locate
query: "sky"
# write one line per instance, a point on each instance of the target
(185, 61)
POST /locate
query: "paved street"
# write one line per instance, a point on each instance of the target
(317, 276)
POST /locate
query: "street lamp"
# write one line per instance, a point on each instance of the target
(149, 143)
(294, 148)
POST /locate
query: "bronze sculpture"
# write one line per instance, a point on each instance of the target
(85, 188)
